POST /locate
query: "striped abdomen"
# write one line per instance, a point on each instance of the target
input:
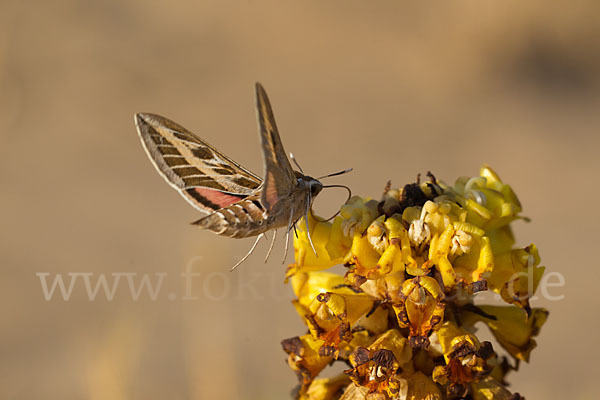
(242, 219)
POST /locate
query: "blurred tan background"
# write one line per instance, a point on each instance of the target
(391, 88)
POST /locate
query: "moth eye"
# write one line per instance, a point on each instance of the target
(315, 189)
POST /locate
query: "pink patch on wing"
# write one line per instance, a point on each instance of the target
(216, 197)
(271, 190)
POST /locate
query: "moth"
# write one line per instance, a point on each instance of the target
(235, 202)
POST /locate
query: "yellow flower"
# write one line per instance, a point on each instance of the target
(458, 249)
(354, 392)
(421, 309)
(355, 217)
(403, 315)
(516, 275)
(306, 259)
(421, 387)
(331, 317)
(489, 202)
(511, 327)
(490, 389)
(385, 289)
(357, 214)
(502, 239)
(378, 253)
(364, 256)
(307, 285)
(326, 389)
(474, 260)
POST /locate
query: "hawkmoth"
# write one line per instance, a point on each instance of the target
(235, 202)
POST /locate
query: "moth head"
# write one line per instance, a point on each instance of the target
(309, 183)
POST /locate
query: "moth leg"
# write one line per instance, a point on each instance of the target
(248, 254)
(271, 246)
(287, 235)
(307, 230)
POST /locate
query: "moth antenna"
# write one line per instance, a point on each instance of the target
(248, 254)
(271, 246)
(296, 162)
(336, 214)
(307, 229)
(336, 173)
(287, 235)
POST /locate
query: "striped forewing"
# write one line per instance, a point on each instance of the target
(208, 179)
(279, 174)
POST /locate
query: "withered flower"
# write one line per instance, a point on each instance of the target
(466, 359)
(377, 366)
(304, 357)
